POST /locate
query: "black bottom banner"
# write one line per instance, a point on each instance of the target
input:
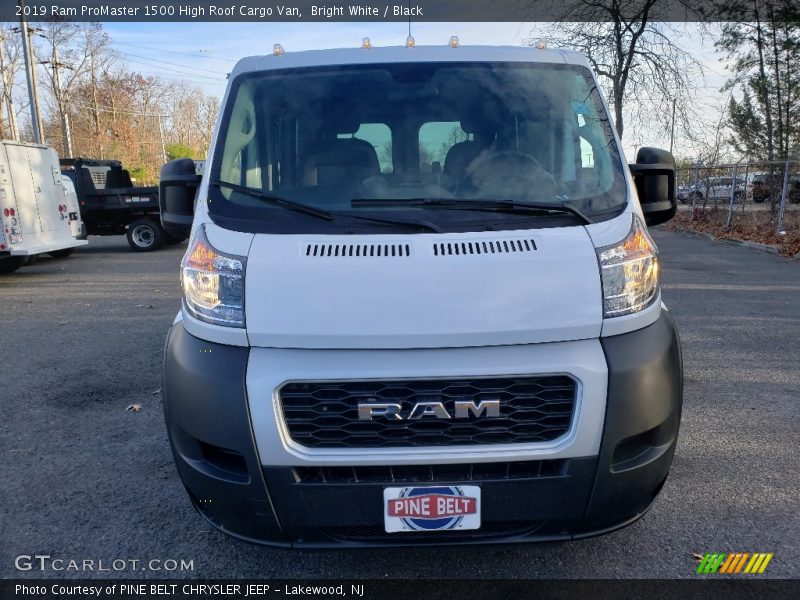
(462, 589)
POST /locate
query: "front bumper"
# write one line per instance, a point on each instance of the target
(554, 498)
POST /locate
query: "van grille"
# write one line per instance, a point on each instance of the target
(357, 250)
(325, 414)
(452, 473)
(466, 248)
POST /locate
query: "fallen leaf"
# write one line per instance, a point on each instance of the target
(697, 557)
(134, 408)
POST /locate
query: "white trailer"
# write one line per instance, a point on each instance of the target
(36, 217)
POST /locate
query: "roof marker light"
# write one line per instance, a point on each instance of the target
(277, 50)
(454, 41)
(366, 44)
(540, 44)
(410, 42)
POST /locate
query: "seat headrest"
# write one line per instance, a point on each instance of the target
(340, 161)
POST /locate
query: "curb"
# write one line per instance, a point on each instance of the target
(771, 248)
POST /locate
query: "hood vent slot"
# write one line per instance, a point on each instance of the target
(464, 248)
(325, 250)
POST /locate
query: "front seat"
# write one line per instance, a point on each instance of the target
(461, 155)
(332, 160)
(340, 161)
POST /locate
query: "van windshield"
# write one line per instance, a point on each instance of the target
(444, 143)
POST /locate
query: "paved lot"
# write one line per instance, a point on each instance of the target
(81, 478)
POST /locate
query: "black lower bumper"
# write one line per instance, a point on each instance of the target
(208, 422)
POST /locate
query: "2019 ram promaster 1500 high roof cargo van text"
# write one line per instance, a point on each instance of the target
(420, 303)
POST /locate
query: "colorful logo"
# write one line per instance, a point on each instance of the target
(431, 508)
(732, 563)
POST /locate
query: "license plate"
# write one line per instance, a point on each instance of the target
(431, 508)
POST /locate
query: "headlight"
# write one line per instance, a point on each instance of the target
(213, 283)
(629, 272)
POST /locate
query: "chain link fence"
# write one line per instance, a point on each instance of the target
(745, 195)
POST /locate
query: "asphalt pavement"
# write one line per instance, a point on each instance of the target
(83, 479)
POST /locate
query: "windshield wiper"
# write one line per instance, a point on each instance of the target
(276, 200)
(496, 205)
(317, 212)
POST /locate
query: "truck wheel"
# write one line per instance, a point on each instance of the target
(145, 235)
(61, 253)
(9, 264)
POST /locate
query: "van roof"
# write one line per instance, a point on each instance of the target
(399, 54)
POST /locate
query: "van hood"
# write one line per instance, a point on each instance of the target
(422, 291)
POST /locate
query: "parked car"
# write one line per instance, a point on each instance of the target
(760, 188)
(718, 188)
(397, 356)
(793, 193)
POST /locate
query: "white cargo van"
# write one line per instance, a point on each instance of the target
(420, 303)
(77, 226)
(36, 215)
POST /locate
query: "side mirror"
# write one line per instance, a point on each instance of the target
(654, 175)
(176, 191)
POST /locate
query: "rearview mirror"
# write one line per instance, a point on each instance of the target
(176, 191)
(654, 175)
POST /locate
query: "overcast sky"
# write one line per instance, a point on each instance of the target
(203, 53)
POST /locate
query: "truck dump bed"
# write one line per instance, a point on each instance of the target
(108, 198)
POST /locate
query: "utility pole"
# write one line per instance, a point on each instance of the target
(60, 101)
(672, 130)
(30, 73)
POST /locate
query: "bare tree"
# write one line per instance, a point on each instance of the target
(73, 51)
(634, 56)
(209, 110)
(762, 47)
(111, 111)
(10, 63)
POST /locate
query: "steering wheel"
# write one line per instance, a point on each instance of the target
(510, 175)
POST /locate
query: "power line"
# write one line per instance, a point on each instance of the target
(176, 71)
(233, 60)
(182, 66)
(181, 80)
